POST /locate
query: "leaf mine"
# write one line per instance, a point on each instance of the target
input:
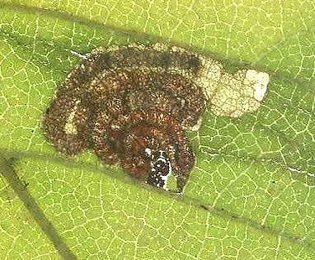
(131, 104)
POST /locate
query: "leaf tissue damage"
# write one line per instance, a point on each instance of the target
(131, 104)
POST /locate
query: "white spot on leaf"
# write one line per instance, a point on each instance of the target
(232, 94)
(70, 128)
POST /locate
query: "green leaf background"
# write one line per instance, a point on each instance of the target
(252, 192)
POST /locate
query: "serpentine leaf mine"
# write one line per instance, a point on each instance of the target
(131, 104)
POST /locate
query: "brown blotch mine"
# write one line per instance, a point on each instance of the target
(131, 105)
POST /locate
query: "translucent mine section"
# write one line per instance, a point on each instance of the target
(232, 94)
(70, 127)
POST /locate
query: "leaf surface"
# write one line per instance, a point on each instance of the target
(251, 194)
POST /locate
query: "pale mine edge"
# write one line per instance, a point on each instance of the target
(228, 94)
(232, 94)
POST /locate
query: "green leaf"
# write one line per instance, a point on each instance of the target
(251, 194)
